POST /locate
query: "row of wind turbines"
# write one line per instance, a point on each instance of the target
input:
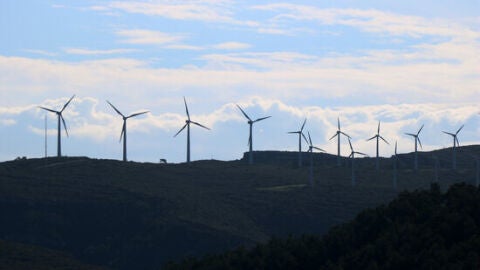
(300, 133)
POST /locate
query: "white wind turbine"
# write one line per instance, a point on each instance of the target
(311, 147)
(417, 139)
(300, 135)
(352, 158)
(455, 145)
(187, 125)
(250, 138)
(338, 134)
(59, 119)
(123, 134)
(378, 137)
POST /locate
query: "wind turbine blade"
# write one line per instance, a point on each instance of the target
(309, 139)
(419, 142)
(333, 136)
(260, 119)
(249, 140)
(66, 104)
(303, 125)
(47, 109)
(305, 138)
(411, 134)
(459, 129)
(378, 129)
(115, 109)
(338, 122)
(244, 113)
(448, 133)
(348, 136)
(123, 131)
(350, 143)
(186, 108)
(420, 129)
(456, 140)
(200, 125)
(319, 149)
(64, 124)
(383, 139)
(360, 153)
(180, 130)
(137, 114)
(372, 138)
(293, 132)
(395, 148)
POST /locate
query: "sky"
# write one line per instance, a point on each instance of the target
(404, 63)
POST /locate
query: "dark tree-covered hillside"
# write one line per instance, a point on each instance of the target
(418, 230)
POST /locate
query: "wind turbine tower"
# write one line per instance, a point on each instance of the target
(352, 158)
(250, 138)
(417, 139)
(59, 119)
(123, 134)
(395, 168)
(338, 134)
(311, 147)
(455, 144)
(378, 137)
(187, 125)
(300, 135)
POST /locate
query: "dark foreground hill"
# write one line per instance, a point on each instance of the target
(418, 230)
(126, 215)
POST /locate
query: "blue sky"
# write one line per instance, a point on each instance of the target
(404, 63)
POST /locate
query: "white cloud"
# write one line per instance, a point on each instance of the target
(40, 52)
(142, 36)
(207, 11)
(367, 20)
(7, 122)
(184, 47)
(232, 46)
(82, 51)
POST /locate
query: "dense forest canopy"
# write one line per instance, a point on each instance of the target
(418, 230)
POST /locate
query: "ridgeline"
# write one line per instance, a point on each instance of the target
(127, 215)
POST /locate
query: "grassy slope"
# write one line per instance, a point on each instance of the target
(117, 214)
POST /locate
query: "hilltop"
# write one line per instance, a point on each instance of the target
(418, 230)
(125, 215)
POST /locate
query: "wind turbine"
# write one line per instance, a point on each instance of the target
(417, 139)
(455, 144)
(395, 168)
(123, 134)
(187, 125)
(60, 119)
(352, 158)
(378, 137)
(338, 134)
(310, 149)
(300, 135)
(250, 138)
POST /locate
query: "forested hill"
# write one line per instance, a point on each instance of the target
(130, 215)
(418, 230)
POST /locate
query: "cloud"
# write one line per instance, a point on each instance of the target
(232, 46)
(216, 11)
(371, 20)
(149, 37)
(92, 122)
(40, 52)
(82, 51)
